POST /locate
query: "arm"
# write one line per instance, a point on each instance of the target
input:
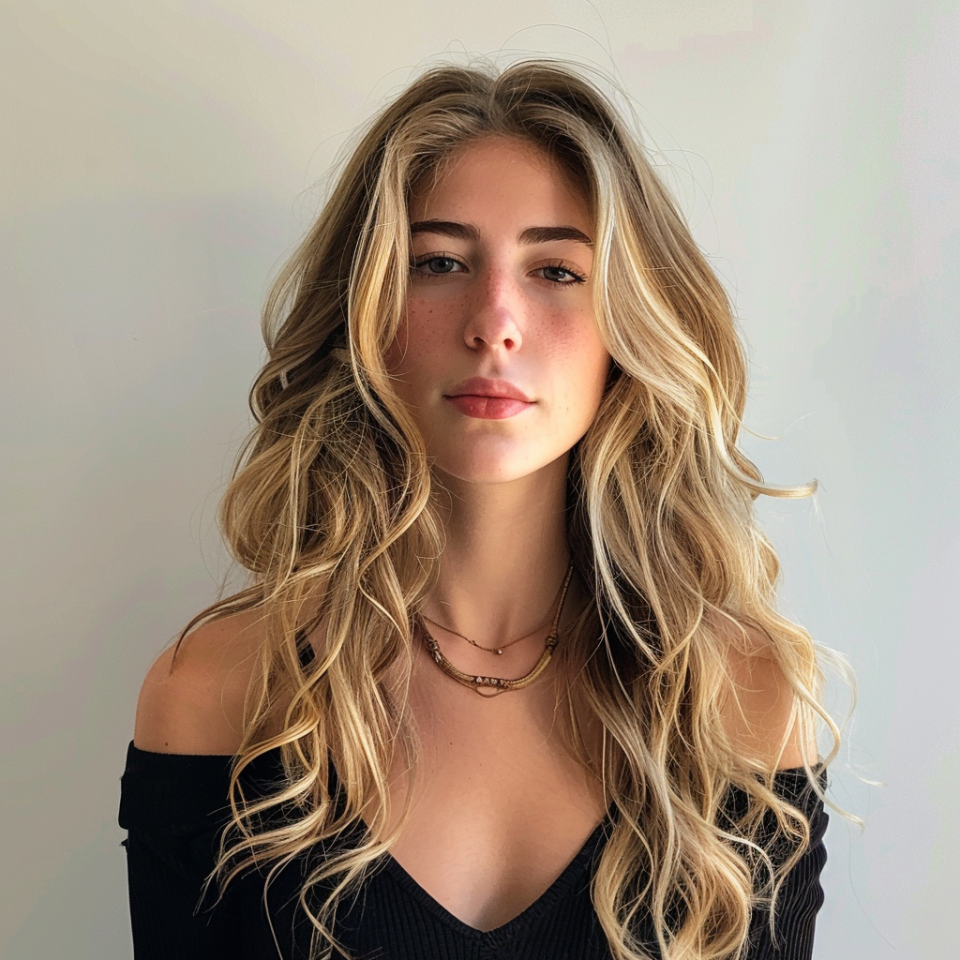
(799, 900)
(164, 916)
(171, 808)
(758, 717)
(174, 791)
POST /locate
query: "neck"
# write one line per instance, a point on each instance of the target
(505, 555)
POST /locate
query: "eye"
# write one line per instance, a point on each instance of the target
(437, 265)
(560, 275)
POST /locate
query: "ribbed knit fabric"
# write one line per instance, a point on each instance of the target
(173, 807)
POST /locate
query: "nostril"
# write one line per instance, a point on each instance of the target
(492, 325)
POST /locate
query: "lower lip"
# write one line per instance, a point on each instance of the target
(489, 408)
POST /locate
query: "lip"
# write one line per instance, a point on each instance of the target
(482, 387)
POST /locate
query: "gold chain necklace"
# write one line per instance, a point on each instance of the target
(503, 646)
(494, 686)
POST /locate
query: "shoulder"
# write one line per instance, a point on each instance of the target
(192, 699)
(759, 711)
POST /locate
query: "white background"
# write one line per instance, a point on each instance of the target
(159, 160)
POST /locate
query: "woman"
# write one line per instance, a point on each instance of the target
(507, 679)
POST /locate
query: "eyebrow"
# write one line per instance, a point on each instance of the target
(467, 231)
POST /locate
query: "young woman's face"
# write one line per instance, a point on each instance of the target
(499, 358)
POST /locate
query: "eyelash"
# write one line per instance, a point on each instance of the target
(577, 277)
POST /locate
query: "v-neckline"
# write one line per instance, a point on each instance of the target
(395, 870)
(569, 875)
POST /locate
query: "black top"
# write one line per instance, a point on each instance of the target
(172, 806)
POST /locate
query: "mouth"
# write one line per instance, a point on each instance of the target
(484, 399)
(491, 389)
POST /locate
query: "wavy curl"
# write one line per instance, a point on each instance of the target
(330, 509)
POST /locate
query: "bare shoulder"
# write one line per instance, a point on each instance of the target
(759, 712)
(192, 703)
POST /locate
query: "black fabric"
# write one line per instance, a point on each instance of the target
(174, 807)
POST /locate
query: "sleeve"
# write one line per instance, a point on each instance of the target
(172, 808)
(801, 894)
(166, 917)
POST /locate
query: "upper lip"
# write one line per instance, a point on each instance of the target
(482, 387)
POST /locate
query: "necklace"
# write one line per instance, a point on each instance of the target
(503, 646)
(494, 686)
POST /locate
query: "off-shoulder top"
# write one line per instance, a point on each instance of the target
(173, 807)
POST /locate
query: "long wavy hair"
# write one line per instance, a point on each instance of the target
(331, 509)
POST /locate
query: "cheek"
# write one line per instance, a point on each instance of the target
(593, 367)
(579, 346)
(416, 343)
(602, 362)
(394, 357)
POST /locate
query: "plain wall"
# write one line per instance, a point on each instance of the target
(160, 159)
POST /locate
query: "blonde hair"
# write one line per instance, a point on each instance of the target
(331, 511)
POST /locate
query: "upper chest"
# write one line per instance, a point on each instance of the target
(499, 806)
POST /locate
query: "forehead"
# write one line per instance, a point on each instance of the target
(497, 176)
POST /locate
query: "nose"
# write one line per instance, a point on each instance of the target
(494, 314)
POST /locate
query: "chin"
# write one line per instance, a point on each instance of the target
(489, 476)
(486, 469)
